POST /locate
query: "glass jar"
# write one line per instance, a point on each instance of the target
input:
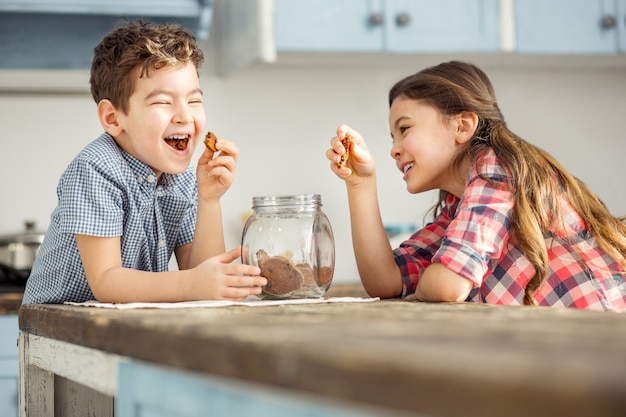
(290, 239)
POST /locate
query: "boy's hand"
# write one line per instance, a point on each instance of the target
(216, 170)
(218, 278)
(359, 164)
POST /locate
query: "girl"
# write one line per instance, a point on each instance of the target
(511, 226)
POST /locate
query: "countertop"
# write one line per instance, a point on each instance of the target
(440, 359)
(10, 302)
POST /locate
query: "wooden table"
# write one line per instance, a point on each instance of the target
(401, 357)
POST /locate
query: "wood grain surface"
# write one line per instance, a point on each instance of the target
(440, 359)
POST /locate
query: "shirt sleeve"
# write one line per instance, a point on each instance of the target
(415, 254)
(188, 223)
(479, 231)
(90, 200)
(470, 234)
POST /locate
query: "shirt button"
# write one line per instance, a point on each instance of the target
(162, 243)
(151, 178)
(140, 179)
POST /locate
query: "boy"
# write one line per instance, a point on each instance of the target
(129, 199)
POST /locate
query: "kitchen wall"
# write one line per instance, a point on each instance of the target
(282, 118)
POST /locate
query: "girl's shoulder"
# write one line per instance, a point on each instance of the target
(488, 166)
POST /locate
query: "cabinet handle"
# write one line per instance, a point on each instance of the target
(376, 19)
(402, 19)
(608, 22)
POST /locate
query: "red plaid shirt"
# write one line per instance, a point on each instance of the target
(471, 238)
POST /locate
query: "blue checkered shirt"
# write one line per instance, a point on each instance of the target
(106, 192)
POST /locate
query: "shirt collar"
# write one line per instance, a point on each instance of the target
(144, 175)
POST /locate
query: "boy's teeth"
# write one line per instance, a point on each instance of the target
(177, 142)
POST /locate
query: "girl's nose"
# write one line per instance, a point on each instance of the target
(396, 150)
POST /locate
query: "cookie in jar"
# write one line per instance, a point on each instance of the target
(290, 239)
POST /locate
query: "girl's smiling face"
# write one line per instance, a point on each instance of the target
(165, 120)
(425, 144)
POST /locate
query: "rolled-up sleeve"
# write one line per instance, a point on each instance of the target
(470, 234)
(415, 254)
(475, 239)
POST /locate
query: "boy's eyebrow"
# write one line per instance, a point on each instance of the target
(169, 93)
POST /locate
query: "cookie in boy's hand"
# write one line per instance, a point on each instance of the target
(210, 140)
(347, 139)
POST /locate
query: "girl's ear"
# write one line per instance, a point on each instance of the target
(107, 114)
(466, 123)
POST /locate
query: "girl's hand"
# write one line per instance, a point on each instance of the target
(360, 162)
(216, 170)
(218, 278)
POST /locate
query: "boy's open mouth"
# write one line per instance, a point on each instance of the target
(177, 142)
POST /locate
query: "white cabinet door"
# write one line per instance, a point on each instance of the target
(574, 27)
(442, 26)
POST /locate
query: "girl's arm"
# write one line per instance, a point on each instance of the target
(378, 269)
(439, 283)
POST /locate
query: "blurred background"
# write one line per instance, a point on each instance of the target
(281, 76)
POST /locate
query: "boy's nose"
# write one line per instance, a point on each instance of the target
(183, 116)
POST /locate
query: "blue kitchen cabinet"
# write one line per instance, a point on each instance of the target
(328, 25)
(427, 26)
(146, 390)
(61, 34)
(574, 27)
(9, 366)
(621, 25)
(392, 26)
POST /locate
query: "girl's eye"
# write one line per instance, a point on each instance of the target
(403, 129)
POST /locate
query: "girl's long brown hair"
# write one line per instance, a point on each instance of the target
(538, 179)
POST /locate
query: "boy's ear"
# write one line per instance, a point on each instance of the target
(107, 114)
(467, 122)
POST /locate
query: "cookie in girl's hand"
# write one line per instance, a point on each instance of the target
(346, 141)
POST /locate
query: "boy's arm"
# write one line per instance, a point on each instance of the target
(111, 282)
(215, 173)
(208, 240)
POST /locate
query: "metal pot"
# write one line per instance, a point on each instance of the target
(18, 250)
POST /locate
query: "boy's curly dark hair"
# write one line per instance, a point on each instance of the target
(133, 51)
